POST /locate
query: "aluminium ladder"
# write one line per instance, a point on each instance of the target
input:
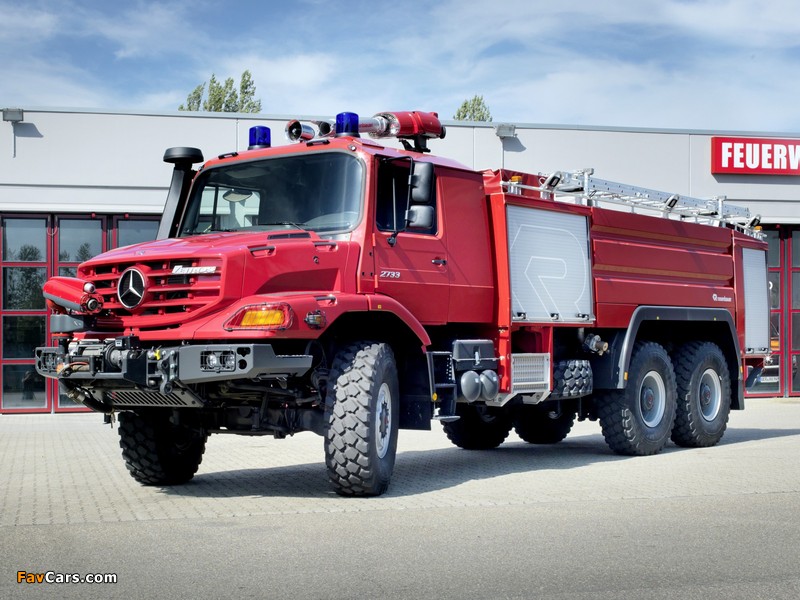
(581, 187)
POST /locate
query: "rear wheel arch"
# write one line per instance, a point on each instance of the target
(671, 327)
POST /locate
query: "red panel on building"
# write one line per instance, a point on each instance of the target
(755, 156)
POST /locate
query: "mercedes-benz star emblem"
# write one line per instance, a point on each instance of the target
(131, 288)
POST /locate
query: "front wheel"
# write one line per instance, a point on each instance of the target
(638, 420)
(363, 403)
(158, 452)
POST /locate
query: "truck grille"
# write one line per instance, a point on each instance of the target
(169, 298)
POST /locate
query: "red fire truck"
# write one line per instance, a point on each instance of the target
(345, 287)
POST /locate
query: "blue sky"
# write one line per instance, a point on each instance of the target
(704, 64)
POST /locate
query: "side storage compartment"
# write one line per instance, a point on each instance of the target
(549, 266)
(756, 301)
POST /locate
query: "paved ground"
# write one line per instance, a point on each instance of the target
(566, 521)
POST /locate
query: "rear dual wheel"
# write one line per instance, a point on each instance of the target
(478, 427)
(546, 423)
(638, 420)
(704, 395)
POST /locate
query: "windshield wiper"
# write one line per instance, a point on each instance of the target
(292, 223)
(217, 230)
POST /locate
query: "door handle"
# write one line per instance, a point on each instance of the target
(439, 261)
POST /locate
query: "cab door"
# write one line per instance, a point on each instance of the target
(411, 264)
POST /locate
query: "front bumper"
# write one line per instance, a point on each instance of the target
(117, 373)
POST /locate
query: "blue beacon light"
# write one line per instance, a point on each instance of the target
(347, 124)
(260, 137)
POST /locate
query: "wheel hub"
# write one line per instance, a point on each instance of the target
(652, 399)
(710, 394)
(383, 417)
(383, 420)
(705, 396)
(648, 399)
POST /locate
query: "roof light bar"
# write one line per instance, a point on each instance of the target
(404, 125)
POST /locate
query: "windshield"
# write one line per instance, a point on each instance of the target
(316, 192)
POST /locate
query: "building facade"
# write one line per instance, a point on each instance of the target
(76, 183)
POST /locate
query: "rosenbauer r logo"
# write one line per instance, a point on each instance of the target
(721, 298)
(131, 288)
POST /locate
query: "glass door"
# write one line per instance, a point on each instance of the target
(76, 240)
(771, 381)
(793, 356)
(33, 248)
(23, 262)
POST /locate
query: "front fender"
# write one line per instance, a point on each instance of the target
(305, 306)
(379, 302)
(328, 305)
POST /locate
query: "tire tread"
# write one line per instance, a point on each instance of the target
(615, 408)
(348, 436)
(147, 448)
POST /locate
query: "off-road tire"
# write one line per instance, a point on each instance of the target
(638, 420)
(704, 395)
(362, 409)
(547, 423)
(478, 428)
(571, 379)
(156, 452)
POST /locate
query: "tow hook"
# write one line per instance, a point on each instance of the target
(167, 366)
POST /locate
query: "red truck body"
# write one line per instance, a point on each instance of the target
(351, 289)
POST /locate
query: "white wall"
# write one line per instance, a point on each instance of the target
(79, 161)
(103, 162)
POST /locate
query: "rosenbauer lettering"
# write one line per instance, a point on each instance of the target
(755, 156)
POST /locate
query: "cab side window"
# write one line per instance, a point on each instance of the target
(392, 201)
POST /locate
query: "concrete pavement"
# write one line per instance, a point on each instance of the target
(67, 502)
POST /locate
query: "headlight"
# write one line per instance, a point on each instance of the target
(217, 361)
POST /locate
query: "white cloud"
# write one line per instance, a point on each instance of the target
(728, 64)
(22, 25)
(743, 23)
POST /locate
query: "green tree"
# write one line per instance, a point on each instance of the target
(195, 99)
(247, 92)
(474, 109)
(224, 97)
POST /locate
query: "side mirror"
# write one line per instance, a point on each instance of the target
(422, 183)
(419, 217)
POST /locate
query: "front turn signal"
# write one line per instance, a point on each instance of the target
(261, 316)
